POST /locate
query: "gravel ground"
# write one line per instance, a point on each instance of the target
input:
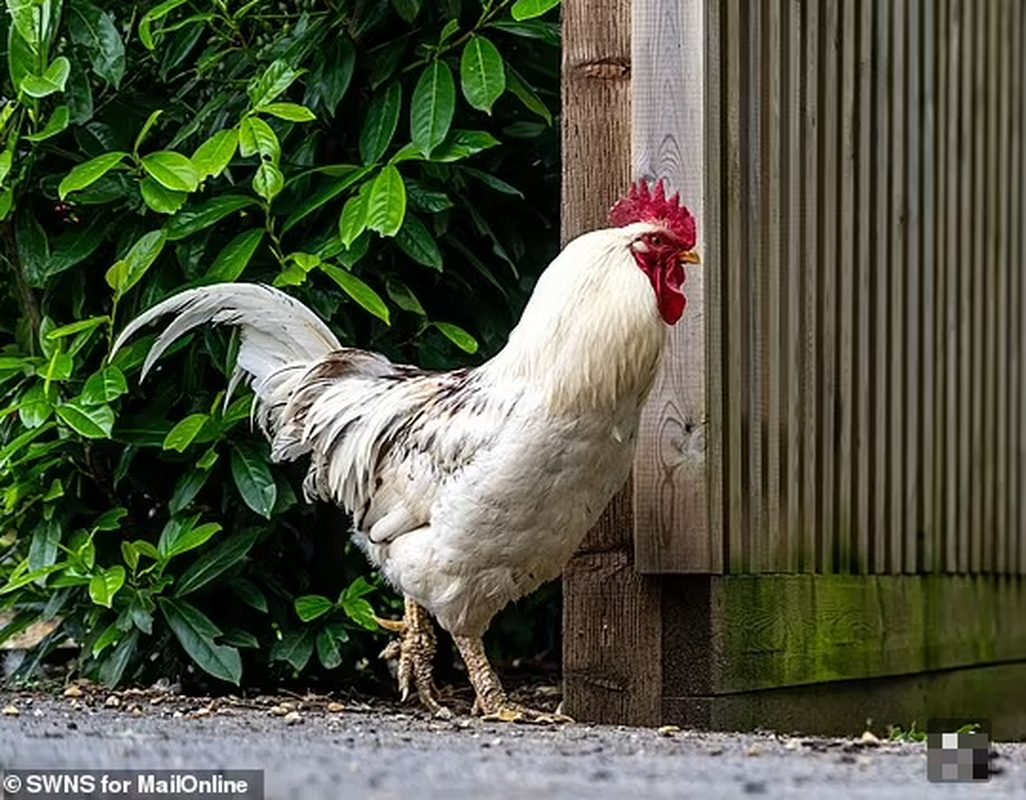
(313, 748)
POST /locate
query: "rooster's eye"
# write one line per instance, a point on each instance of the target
(656, 240)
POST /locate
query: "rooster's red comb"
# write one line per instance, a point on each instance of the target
(643, 205)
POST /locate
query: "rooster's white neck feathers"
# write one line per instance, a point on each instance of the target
(591, 336)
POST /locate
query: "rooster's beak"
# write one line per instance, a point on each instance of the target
(689, 257)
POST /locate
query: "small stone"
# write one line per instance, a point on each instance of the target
(292, 718)
(869, 739)
(73, 691)
(113, 701)
(754, 750)
(336, 708)
(11, 711)
(716, 751)
(668, 730)
(793, 744)
(548, 691)
(137, 710)
(282, 709)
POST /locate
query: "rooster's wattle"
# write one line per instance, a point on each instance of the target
(469, 488)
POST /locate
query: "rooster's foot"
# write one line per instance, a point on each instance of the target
(492, 700)
(415, 650)
(514, 712)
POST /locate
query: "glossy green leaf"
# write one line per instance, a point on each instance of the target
(157, 12)
(104, 385)
(126, 273)
(459, 337)
(151, 120)
(231, 262)
(106, 584)
(295, 648)
(161, 199)
(324, 195)
(432, 107)
(491, 181)
(172, 170)
(293, 112)
(361, 612)
(110, 520)
(197, 218)
(416, 241)
(359, 291)
(59, 121)
(184, 431)
(33, 407)
(253, 479)
(310, 606)
(50, 82)
(44, 545)
(196, 633)
(482, 73)
(214, 563)
(463, 144)
(526, 94)
(213, 156)
(93, 422)
(381, 122)
(268, 181)
(386, 203)
(327, 650)
(94, 30)
(189, 538)
(89, 172)
(188, 486)
(401, 294)
(256, 136)
(250, 594)
(407, 9)
(353, 220)
(77, 327)
(528, 9)
(275, 79)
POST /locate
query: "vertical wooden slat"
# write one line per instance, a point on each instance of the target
(928, 391)
(988, 299)
(896, 299)
(949, 239)
(979, 467)
(672, 532)
(1017, 228)
(790, 257)
(880, 278)
(753, 305)
(733, 274)
(775, 292)
(912, 398)
(811, 261)
(864, 266)
(827, 218)
(941, 429)
(716, 331)
(610, 613)
(844, 519)
(965, 273)
(999, 83)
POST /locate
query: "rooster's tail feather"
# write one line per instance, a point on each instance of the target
(280, 337)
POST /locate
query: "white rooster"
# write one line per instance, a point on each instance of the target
(469, 488)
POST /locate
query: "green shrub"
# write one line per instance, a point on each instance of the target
(394, 165)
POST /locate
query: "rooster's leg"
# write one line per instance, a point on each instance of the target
(491, 697)
(415, 649)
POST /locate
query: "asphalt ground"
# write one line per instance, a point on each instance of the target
(315, 747)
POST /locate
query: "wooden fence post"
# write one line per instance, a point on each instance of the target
(611, 618)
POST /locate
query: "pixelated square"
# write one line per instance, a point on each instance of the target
(958, 750)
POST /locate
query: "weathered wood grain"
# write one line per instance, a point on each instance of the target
(610, 613)
(672, 530)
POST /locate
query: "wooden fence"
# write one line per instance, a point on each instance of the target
(844, 400)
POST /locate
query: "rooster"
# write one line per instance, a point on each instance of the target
(468, 489)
